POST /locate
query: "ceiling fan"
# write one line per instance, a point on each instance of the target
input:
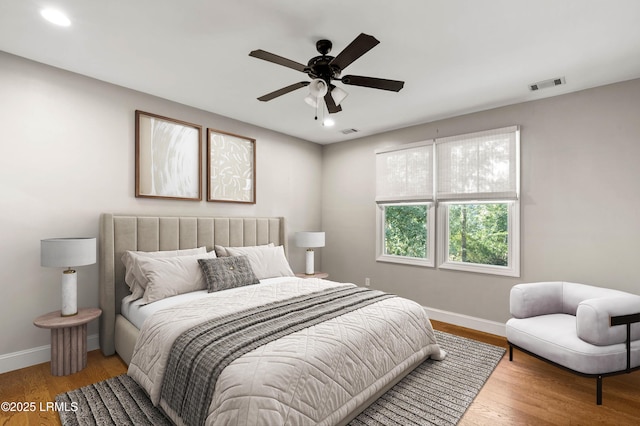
(325, 69)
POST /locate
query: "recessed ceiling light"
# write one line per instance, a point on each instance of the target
(55, 17)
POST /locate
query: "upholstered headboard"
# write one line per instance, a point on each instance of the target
(119, 233)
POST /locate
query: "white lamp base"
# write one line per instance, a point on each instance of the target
(69, 293)
(309, 267)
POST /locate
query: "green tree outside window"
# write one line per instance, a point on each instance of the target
(405, 230)
(478, 233)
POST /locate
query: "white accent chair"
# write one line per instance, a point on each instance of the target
(590, 331)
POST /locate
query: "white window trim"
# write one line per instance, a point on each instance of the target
(512, 270)
(406, 260)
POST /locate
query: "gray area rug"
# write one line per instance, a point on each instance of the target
(435, 393)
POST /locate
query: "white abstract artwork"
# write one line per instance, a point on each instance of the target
(168, 158)
(231, 172)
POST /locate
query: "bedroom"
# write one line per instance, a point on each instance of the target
(69, 157)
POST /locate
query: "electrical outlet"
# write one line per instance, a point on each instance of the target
(367, 282)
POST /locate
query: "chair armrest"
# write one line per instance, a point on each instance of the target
(625, 319)
(593, 319)
(533, 299)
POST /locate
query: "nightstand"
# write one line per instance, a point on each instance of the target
(314, 275)
(68, 339)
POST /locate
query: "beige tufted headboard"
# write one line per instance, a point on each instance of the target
(119, 233)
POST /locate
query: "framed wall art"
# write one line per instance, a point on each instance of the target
(231, 167)
(168, 158)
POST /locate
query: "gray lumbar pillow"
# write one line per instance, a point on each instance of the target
(227, 272)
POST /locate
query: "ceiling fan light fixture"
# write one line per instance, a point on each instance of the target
(311, 101)
(328, 122)
(324, 69)
(318, 88)
(338, 95)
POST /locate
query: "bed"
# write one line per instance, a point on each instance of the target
(326, 371)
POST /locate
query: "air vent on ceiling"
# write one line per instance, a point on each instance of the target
(349, 131)
(552, 82)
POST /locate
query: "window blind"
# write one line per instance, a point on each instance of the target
(481, 165)
(405, 173)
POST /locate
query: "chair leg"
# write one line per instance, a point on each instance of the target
(510, 353)
(599, 390)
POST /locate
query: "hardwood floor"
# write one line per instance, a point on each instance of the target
(37, 385)
(526, 391)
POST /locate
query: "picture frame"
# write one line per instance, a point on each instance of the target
(168, 158)
(231, 167)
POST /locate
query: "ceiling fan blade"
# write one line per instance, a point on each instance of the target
(270, 57)
(374, 83)
(331, 104)
(358, 47)
(283, 91)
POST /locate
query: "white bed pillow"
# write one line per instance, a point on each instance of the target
(221, 251)
(170, 276)
(266, 262)
(133, 278)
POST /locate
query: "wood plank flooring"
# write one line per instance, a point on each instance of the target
(37, 385)
(526, 391)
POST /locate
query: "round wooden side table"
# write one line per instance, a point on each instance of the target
(68, 339)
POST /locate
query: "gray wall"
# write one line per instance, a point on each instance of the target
(579, 209)
(68, 155)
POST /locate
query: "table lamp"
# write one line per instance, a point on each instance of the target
(68, 253)
(309, 240)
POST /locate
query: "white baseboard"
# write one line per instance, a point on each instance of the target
(486, 326)
(34, 356)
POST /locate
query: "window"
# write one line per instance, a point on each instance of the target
(480, 237)
(478, 186)
(404, 193)
(471, 183)
(406, 231)
(478, 233)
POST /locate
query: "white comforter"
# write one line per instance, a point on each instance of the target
(315, 376)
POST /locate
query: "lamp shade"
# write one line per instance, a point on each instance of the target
(338, 95)
(310, 239)
(67, 252)
(318, 88)
(311, 101)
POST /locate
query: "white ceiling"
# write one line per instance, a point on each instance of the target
(455, 56)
